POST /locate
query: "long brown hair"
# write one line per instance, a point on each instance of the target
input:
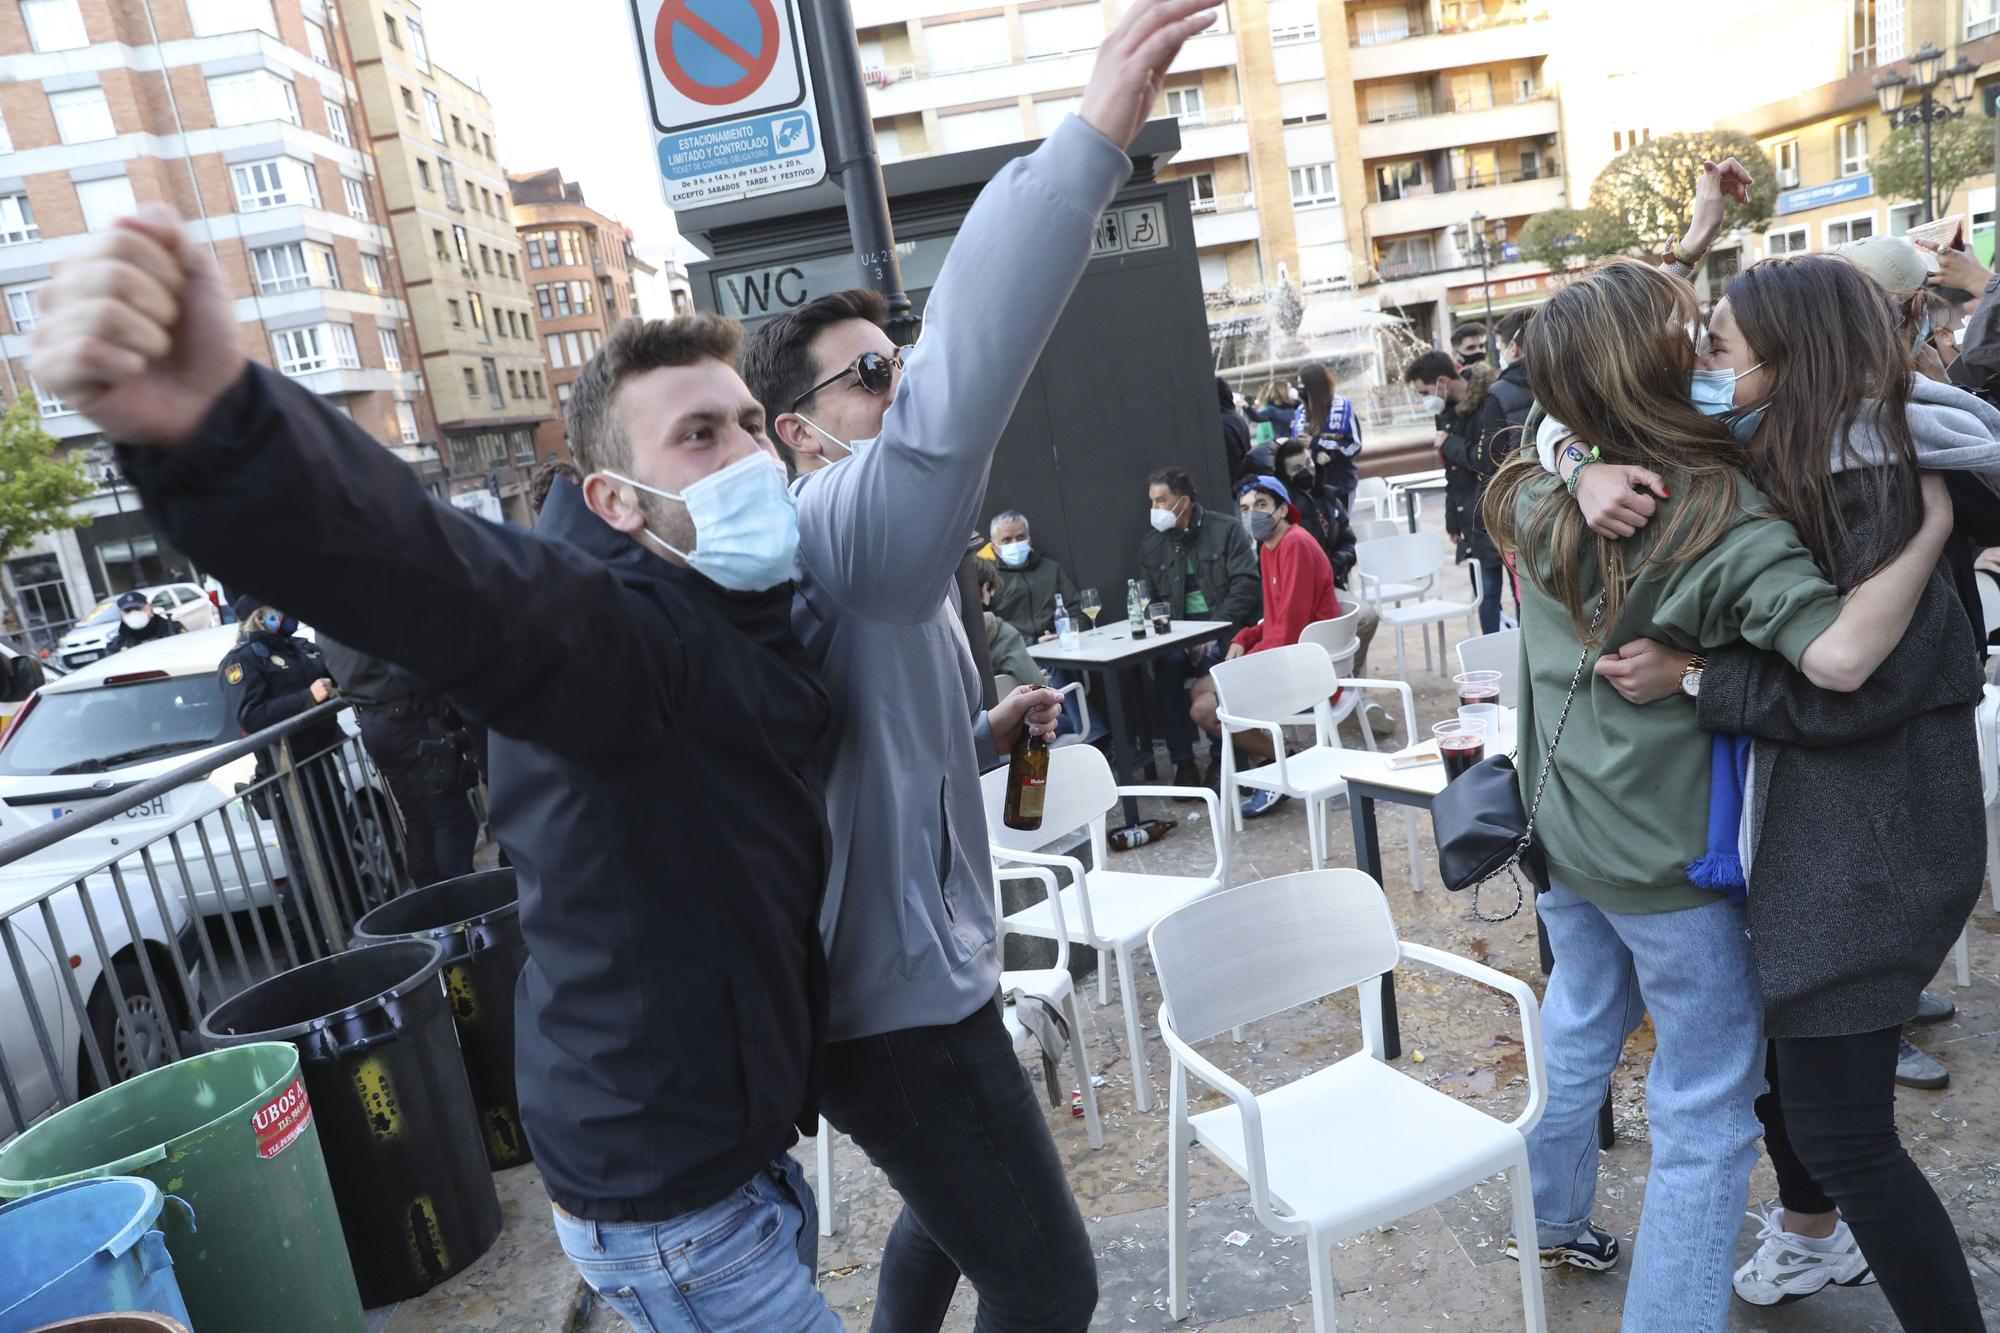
(1318, 381)
(1832, 345)
(1610, 357)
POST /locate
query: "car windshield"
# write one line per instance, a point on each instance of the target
(95, 731)
(104, 614)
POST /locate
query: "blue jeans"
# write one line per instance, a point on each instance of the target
(1692, 971)
(746, 1263)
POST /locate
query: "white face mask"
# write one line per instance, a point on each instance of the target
(848, 448)
(136, 619)
(1163, 520)
(746, 525)
(1433, 405)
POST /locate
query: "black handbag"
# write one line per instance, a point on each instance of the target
(1482, 831)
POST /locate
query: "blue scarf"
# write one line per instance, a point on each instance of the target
(1728, 773)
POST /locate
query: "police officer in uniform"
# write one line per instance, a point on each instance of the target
(420, 746)
(138, 623)
(270, 677)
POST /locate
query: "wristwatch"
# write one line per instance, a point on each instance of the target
(1674, 254)
(1691, 677)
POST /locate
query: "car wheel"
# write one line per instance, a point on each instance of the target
(371, 830)
(142, 1039)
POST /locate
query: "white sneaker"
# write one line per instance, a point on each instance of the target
(1790, 1268)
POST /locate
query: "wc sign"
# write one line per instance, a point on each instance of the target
(731, 98)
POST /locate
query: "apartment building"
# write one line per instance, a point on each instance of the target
(242, 116)
(476, 339)
(583, 276)
(1344, 144)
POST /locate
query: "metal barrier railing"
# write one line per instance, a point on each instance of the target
(107, 971)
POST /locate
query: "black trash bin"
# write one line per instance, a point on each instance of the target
(395, 1114)
(477, 920)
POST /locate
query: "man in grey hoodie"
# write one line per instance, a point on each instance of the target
(894, 450)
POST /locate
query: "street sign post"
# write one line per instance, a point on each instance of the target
(731, 95)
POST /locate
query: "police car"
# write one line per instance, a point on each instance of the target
(100, 730)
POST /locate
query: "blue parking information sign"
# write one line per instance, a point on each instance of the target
(731, 98)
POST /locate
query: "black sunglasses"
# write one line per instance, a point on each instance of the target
(872, 370)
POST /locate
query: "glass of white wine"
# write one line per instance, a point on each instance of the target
(1090, 604)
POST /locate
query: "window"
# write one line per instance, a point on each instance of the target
(6, 139)
(563, 308)
(243, 99)
(433, 116)
(1394, 101)
(541, 390)
(513, 266)
(471, 382)
(589, 343)
(51, 405)
(556, 350)
(389, 26)
(477, 309)
(1374, 27)
(406, 421)
(972, 44)
(281, 268)
(534, 250)
(542, 300)
(23, 307)
(1313, 185)
(1854, 148)
(572, 250)
(371, 273)
(357, 198)
(563, 392)
(513, 385)
(300, 351)
(82, 115)
(1407, 257)
(1187, 105)
(1861, 36)
(1902, 217)
(1059, 31)
(1303, 103)
(424, 174)
(966, 130)
(419, 52)
(17, 220)
(1849, 229)
(457, 315)
(316, 43)
(1786, 155)
(392, 350)
(1295, 34)
(492, 371)
(336, 125)
(461, 243)
(485, 259)
(54, 25)
(437, 238)
(409, 104)
(1201, 191)
(574, 348)
(346, 353)
(1791, 241)
(586, 300)
(105, 201)
(273, 184)
(457, 130)
(1981, 18)
(1471, 90)
(486, 145)
(1892, 30)
(449, 176)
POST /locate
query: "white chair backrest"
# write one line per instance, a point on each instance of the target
(1406, 559)
(1499, 651)
(1987, 718)
(1248, 953)
(1277, 684)
(1080, 790)
(1340, 636)
(1374, 529)
(1989, 602)
(1372, 490)
(1004, 684)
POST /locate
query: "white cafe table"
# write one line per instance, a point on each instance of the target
(1109, 650)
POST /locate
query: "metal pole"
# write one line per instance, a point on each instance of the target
(849, 131)
(1924, 109)
(1486, 286)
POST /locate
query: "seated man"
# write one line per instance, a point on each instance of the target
(1030, 582)
(1298, 591)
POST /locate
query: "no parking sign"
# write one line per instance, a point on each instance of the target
(731, 98)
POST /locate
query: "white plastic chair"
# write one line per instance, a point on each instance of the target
(1353, 1145)
(1987, 720)
(1989, 608)
(1052, 984)
(1005, 684)
(1374, 492)
(1109, 910)
(1382, 590)
(1374, 529)
(1266, 692)
(1416, 559)
(1499, 651)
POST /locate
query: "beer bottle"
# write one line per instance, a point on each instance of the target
(1027, 781)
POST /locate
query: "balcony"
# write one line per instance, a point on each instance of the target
(1225, 219)
(1218, 132)
(1425, 127)
(1427, 208)
(1058, 74)
(1385, 56)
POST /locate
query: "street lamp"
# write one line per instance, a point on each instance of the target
(1476, 233)
(1926, 72)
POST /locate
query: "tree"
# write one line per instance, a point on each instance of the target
(1650, 189)
(1570, 237)
(1960, 149)
(38, 489)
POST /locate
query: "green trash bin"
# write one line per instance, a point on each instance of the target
(232, 1133)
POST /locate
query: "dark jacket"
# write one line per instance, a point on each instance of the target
(159, 627)
(267, 679)
(366, 679)
(1869, 838)
(1026, 597)
(1322, 515)
(1225, 567)
(1466, 426)
(1235, 443)
(650, 781)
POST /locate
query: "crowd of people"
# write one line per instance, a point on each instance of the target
(743, 652)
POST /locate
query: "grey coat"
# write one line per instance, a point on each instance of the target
(1865, 819)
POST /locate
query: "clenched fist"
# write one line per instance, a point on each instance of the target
(138, 332)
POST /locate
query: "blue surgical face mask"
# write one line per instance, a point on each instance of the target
(276, 622)
(1014, 554)
(746, 525)
(848, 448)
(1923, 333)
(1713, 393)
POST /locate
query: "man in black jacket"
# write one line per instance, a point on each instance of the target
(139, 623)
(1201, 563)
(652, 720)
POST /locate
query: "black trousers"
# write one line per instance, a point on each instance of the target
(949, 1116)
(439, 828)
(1830, 1128)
